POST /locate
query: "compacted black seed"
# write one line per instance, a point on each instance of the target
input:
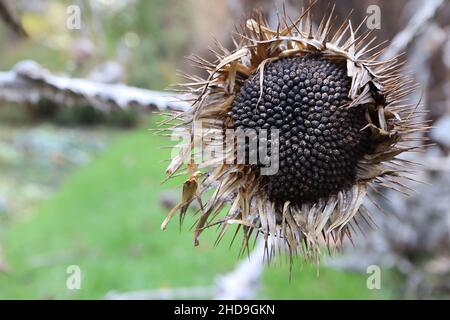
(305, 98)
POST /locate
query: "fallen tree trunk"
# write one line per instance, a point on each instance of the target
(28, 82)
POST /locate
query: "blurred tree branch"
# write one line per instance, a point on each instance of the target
(9, 15)
(425, 14)
(29, 82)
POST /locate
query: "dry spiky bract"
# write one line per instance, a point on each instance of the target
(341, 119)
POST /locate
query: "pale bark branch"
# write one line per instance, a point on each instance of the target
(28, 82)
(425, 13)
(163, 294)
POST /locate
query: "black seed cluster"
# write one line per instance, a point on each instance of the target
(320, 139)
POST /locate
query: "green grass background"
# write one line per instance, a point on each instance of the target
(106, 219)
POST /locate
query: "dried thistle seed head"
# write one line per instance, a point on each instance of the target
(306, 99)
(342, 116)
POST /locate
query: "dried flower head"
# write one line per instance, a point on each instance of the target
(301, 123)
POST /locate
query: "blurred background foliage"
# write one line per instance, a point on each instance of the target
(82, 186)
